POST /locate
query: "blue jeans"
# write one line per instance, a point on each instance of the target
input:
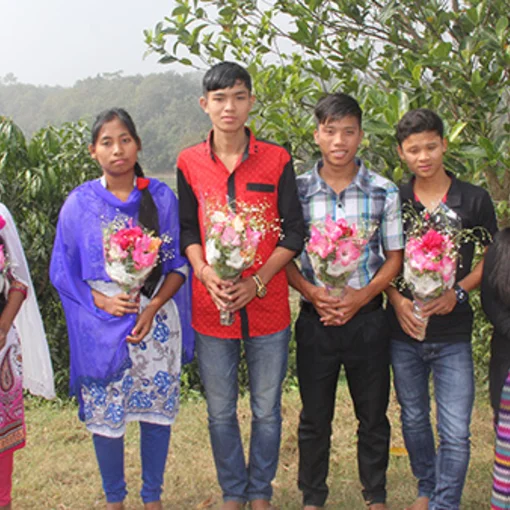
(218, 361)
(154, 450)
(440, 476)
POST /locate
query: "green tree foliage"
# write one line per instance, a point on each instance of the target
(164, 107)
(451, 56)
(35, 179)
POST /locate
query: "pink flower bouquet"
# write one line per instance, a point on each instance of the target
(429, 268)
(232, 239)
(431, 253)
(334, 249)
(130, 254)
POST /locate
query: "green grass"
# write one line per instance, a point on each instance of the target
(57, 469)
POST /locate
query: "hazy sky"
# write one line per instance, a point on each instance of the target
(56, 42)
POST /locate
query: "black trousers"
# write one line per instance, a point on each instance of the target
(362, 347)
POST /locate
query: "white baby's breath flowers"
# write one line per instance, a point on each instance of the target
(218, 217)
(235, 260)
(212, 254)
(238, 224)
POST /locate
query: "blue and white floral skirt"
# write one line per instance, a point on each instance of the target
(148, 389)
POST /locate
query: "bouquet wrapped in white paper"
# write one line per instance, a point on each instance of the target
(431, 254)
(130, 254)
(334, 249)
(232, 239)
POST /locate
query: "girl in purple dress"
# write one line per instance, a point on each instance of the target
(125, 355)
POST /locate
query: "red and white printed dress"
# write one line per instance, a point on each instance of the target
(24, 359)
(12, 423)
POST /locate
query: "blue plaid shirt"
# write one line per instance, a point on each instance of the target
(368, 200)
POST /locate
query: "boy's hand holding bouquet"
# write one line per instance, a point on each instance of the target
(335, 249)
(233, 233)
(430, 262)
(429, 270)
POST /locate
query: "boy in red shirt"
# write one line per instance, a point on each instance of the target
(232, 165)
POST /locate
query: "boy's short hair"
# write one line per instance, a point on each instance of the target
(225, 75)
(419, 121)
(337, 106)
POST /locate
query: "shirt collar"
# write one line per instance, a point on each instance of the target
(453, 197)
(251, 148)
(362, 179)
(318, 184)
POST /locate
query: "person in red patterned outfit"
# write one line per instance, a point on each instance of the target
(24, 354)
(235, 167)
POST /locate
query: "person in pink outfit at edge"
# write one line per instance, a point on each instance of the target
(495, 294)
(24, 354)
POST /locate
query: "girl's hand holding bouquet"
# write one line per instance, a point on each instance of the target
(117, 305)
(130, 255)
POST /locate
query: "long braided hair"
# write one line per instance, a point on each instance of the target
(148, 212)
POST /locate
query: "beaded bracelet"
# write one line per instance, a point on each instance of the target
(18, 287)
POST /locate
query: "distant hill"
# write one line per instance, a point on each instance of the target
(164, 107)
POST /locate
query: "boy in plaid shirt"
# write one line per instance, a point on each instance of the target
(351, 331)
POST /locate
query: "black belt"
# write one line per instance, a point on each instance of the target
(371, 306)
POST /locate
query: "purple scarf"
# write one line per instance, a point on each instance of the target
(97, 339)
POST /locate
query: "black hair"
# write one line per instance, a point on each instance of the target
(124, 117)
(337, 106)
(499, 273)
(148, 212)
(225, 75)
(419, 120)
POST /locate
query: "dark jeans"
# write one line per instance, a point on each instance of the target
(362, 347)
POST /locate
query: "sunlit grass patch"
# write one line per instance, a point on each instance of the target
(57, 469)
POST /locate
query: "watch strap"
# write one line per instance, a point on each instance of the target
(460, 294)
(261, 288)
